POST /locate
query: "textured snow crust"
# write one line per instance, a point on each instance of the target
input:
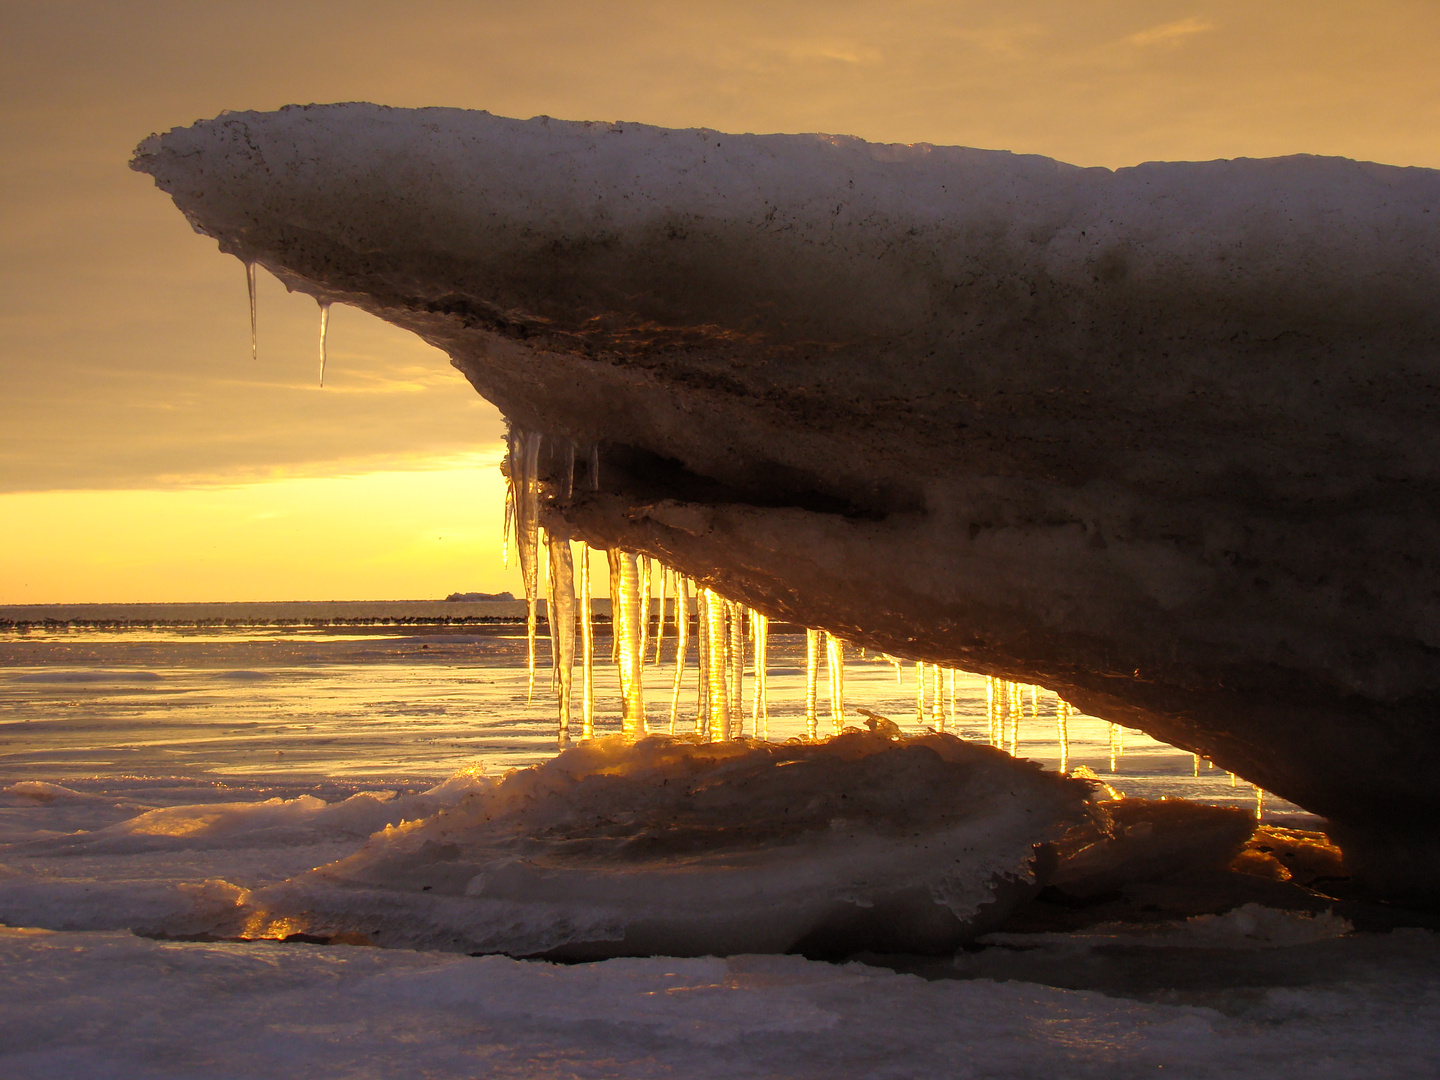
(111, 1005)
(669, 846)
(687, 848)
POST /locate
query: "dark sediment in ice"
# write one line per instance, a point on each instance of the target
(1162, 439)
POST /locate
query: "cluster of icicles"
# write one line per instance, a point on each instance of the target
(724, 627)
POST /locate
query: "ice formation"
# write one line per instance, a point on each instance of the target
(324, 326)
(685, 848)
(1159, 439)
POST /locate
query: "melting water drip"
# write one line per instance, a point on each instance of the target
(324, 326)
(250, 286)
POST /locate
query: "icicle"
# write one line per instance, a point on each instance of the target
(937, 706)
(760, 705)
(949, 694)
(665, 573)
(509, 514)
(324, 325)
(702, 660)
(250, 286)
(1114, 746)
(1062, 730)
(812, 682)
(897, 664)
(1034, 702)
(1197, 766)
(990, 707)
(560, 608)
(835, 667)
(1259, 803)
(587, 648)
(569, 469)
(594, 466)
(643, 563)
(717, 694)
(625, 621)
(614, 615)
(919, 693)
(735, 656)
(682, 642)
(522, 466)
(1234, 780)
(1015, 707)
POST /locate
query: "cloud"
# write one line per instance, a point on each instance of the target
(1171, 33)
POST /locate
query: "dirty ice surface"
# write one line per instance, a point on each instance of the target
(136, 762)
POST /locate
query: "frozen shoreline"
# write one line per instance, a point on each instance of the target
(113, 1005)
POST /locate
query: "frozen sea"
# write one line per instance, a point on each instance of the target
(278, 712)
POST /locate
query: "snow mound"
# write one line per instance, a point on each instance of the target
(679, 847)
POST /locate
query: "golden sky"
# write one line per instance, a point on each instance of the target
(143, 456)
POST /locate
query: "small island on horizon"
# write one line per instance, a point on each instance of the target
(456, 597)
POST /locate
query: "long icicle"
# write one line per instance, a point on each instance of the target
(254, 326)
(949, 696)
(509, 518)
(1062, 731)
(682, 643)
(702, 649)
(523, 464)
(324, 326)
(735, 613)
(665, 573)
(937, 705)
(1017, 709)
(587, 648)
(625, 620)
(718, 693)
(760, 705)
(835, 668)
(643, 565)
(560, 610)
(812, 682)
(919, 693)
(990, 707)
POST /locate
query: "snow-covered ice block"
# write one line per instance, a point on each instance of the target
(685, 848)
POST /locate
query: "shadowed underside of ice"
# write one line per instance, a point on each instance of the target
(685, 848)
(1161, 439)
